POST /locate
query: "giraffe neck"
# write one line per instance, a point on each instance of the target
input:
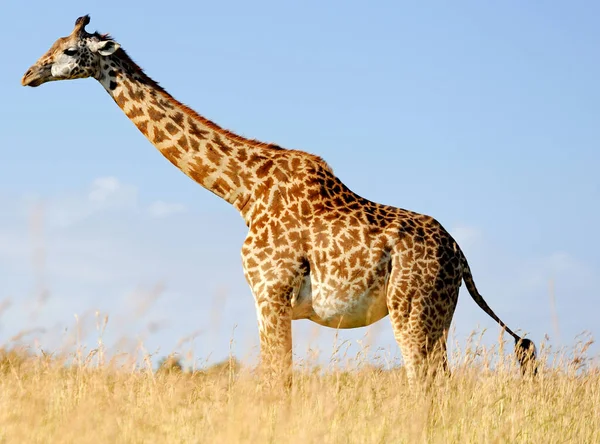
(217, 159)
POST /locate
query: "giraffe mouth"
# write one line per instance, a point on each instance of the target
(36, 76)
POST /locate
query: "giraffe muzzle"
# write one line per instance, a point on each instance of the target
(35, 76)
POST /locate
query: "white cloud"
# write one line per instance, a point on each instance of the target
(103, 188)
(164, 209)
(104, 194)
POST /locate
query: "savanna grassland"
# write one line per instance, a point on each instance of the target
(80, 399)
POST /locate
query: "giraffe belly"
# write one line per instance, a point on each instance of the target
(330, 308)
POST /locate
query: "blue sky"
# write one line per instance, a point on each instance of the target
(482, 115)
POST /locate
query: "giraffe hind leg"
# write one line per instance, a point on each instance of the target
(424, 353)
(421, 318)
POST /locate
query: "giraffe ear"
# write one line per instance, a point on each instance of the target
(105, 47)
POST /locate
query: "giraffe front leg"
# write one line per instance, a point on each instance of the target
(275, 331)
(274, 273)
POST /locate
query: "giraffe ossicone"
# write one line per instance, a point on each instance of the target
(315, 249)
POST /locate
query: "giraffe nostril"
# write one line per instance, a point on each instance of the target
(28, 73)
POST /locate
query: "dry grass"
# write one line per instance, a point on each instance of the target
(58, 399)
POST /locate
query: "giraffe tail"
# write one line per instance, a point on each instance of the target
(524, 348)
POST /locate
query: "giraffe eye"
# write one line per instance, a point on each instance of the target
(70, 52)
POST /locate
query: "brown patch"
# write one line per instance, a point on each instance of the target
(346, 242)
(172, 129)
(242, 156)
(264, 169)
(135, 111)
(267, 252)
(280, 175)
(337, 228)
(195, 129)
(357, 258)
(212, 154)
(195, 143)
(165, 104)
(372, 218)
(260, 221)
(143, 127)
(178, 119)
(313, 194)
(159, 135)
(322, 240)
(254, 159)
(232, 174)
(295, 163)
(288, 219)
(157, 102)
(121, 99)
(226, 149)
(351, 204)
(321, 234)
(281, 255)
(335, 249)
(354, 221)
(338, 201)
(305, 209)
(251, 263)
(277, 204)
(201, 171)
(340, 270)
(268, 183)
(321, 257)
(220, 186)
(137, 95)
(171, 153)
(262, 239)
(419, 250)
(278, 232)
(355, 234)
(237, 142)
(183, 143)
(295, 238)
(245, 177)
(128, 87)
(155, 114)
(296, 190)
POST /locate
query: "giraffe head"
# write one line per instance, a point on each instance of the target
(73, 57)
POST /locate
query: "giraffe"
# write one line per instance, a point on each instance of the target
(315, 249)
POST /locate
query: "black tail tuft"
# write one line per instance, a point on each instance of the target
(526, 354)
(524, 348)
